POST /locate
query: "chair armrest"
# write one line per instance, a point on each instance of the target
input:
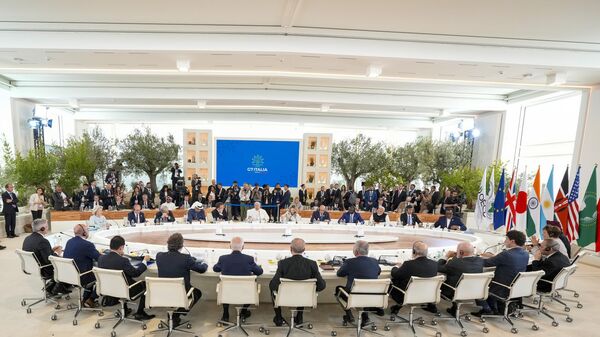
(136, 283)
(45, 266)
(402, 291)
(87, 272)
(189, 293)
(500, 284)
(449, 286)
(549, 282)
(258, 288)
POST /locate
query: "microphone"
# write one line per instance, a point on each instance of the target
(493, 246)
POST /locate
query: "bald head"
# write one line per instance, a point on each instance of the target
(420, 248)
(237, 244)
(465, 249)
(80, 230)
(361, 248)
(297, 246)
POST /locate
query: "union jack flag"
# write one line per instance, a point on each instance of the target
(573, 220)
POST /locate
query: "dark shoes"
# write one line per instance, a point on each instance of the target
(395, 309)
(176, 320)
(299, 319)
(348, 317)
(145, 317)
(278, 321)
(431, 308)
(379, 312)
(451, 311)
(225, 318)
(364, 320)
(2, 247)
(244, 314)
(484, 313)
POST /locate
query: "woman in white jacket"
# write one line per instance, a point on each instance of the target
(37, 202)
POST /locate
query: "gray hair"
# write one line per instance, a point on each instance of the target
(551, 244)
(361, 247)
(420, 248)
(237, 243)
(164, 208)
(38, 224)
(466, 247)
(297, 246)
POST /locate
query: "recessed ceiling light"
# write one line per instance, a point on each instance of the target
(74, 103)
(374, 71)
(201, 104)
(183, 65)
(325, 107)
(556, 78)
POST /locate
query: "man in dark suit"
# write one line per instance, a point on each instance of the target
(84, 253)
(236, 264)
(370, 199)
(450, 221)
(455, 264)
(40, 246)
(320, 196)
(419, 266)
(173, 264)
(136, 216)
(295, 267)
(287, 195)
(320, 215)
(435, 199)
(116, 261)
(360, 267)
(107, 196)
(10, 201)
(93, 190)
(409, 218)
(351, 216)
(508, 263)
(302, 195)
(145, 203)
(175, 175)
(550, 260)
(196, 187)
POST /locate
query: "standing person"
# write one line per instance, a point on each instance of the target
(196, 187)
(296, 267)
(10, 201)
(435, 199)
(115, 260)
(245, 197)
(175, 175)
(37, 202)
(277, 201)
(266, 199)
(111, 177)
(107, 196)
(234, 199)
(236, 264)
(174, 264)
(62, 201)
(164, 194)
(302, 195)
(360, 267)
(257, 194)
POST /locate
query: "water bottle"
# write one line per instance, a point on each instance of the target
(132, 224)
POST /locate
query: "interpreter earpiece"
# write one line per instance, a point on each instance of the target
(84, 234)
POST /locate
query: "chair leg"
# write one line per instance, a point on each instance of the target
(411, 322)
(169, 327)
(239, 322)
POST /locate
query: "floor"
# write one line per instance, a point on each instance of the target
(16, 322)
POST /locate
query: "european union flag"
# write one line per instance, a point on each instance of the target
(499, 210)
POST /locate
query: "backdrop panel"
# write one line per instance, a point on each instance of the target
(257, 161)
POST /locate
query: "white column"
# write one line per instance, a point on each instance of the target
(587, 141)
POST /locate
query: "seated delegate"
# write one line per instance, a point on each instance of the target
(351, 216)
(450, 221)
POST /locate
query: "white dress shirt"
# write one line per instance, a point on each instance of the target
(253, 215)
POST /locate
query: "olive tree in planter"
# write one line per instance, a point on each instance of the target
(357, 157)
(33, 170)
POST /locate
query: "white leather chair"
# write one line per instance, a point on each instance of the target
(237, 290)
(419, 291)
(577, 257)
(66, 271)
(523, 285)
(470, 287)
(114, 283)
(559, 283)
(30, 265)
(363, 295)
(168, 293)
(294, 294)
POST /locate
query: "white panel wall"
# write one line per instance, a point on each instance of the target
(486, 146)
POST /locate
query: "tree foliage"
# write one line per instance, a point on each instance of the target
(34, 170)
(144, 152)
(357, 157)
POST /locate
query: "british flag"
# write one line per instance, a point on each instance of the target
(573, 220)
(510, 204)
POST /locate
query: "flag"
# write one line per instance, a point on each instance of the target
(573, 210)
(511, 200)
(481, 205)
(588, 215)
(521, 205)
(547, 202)
(534, 213)
(499, 211)
(561, 203)
(598, 228)
(489, 213)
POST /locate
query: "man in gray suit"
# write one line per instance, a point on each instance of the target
(455, 264)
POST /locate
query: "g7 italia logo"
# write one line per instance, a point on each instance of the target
(257, 165)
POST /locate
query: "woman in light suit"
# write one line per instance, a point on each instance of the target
(37, 202)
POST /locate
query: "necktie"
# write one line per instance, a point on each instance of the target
(351, 217)
(409, 217)
(137, 218)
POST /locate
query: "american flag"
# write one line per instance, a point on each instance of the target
(573, 221)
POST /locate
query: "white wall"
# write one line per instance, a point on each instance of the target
(486, 146)
(587, 151)
(6, 127)
(22, 110)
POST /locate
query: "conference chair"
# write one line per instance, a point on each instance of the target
(239, 291)
(364, 296)
(523, 285)
(169, 293)
(30, 265)
(577, 257)
(295, 294)
(113, 283)
(420, 291)
(470, 287)
(558, 284)
(66, 271)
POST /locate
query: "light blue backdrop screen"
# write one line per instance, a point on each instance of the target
(257, 161)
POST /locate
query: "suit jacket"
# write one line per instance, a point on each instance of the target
(194, 215)
(108, 198)
(404, 219)
(321, 197)
(360, 267)
(146, 205)
(566, 242)
(12, 207)
(216, 216)
(115, 261)
(551, 266)
(508, 264)
(40, 246)
(316, 216)
(370, 199)
(420, 267)
(457, 266)
(84, 253)
(131, 217)
(59, 203)
(356, 218)
(174, 264)
(237, 264)
(286, 198)
(302, 196)
(455, 221)
(297, 267)
(158, 216)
